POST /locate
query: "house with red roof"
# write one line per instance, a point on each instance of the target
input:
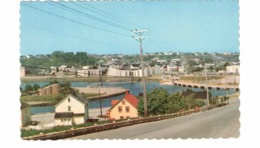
(124, 108)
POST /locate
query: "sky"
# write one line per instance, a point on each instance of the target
(105, 27)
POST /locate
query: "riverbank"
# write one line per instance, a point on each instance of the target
(86, 79)
(104, 92)
(41, 103)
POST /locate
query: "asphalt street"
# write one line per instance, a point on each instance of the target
(220, 122)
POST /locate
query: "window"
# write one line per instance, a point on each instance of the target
(121, 117)
(127, 109)
(123, 102)
(127, 117)
(61, 120)
(119, 109)
(65, 119)
(69, 108)
(68, 119)
(68, 99)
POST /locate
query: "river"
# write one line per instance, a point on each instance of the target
(135, 88)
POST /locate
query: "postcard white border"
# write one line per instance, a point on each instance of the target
(10, 113)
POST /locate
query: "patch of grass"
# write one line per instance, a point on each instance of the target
(32, 132)
(51, 98)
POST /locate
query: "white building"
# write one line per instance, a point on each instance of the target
(233, 69)
(53, 69)
(172, 67)
(73, 109)
(181, 69)
(89, 72)
(134, 73)
(22, 71)
(62, 67)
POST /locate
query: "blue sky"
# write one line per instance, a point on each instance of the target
(105, 27)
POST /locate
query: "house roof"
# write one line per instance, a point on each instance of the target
(63, 115)
(77, 96)
(197, 95)
(113, 102)
(129, 98)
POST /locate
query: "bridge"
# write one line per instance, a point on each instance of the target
(210, 86)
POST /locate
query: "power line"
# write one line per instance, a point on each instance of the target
(106, 14)
(113, 17)
(86, 15)
(157, 42)
(77, 22)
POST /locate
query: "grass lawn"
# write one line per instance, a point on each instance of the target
(32, 132)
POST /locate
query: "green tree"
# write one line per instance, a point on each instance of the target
(156, 102)
(176, 103)
(66, 89)
(28, 88)
(161, 102)
(35, 87)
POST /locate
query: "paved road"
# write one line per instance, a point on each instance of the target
(217, 123)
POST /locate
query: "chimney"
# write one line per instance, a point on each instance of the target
(126, 92)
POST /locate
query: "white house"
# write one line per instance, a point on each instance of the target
(53, 69)
(62, 67)
(233, 69)
(181, 69)
(73, 109)
(172, 67)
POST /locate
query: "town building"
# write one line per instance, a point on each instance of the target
(25, 114)
(89, 72)
(50, 89)
(233, 69)
(134, 72)
(124, 108)
(62, 68)
(53, 69)
(172, 67)
(22, 71)
(73, 109)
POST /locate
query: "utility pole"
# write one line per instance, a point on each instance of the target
(206, 70)
(100, 100)
(226, 84)
(140, 38)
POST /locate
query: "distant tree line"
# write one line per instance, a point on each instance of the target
(29, 89)
(58, 58)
